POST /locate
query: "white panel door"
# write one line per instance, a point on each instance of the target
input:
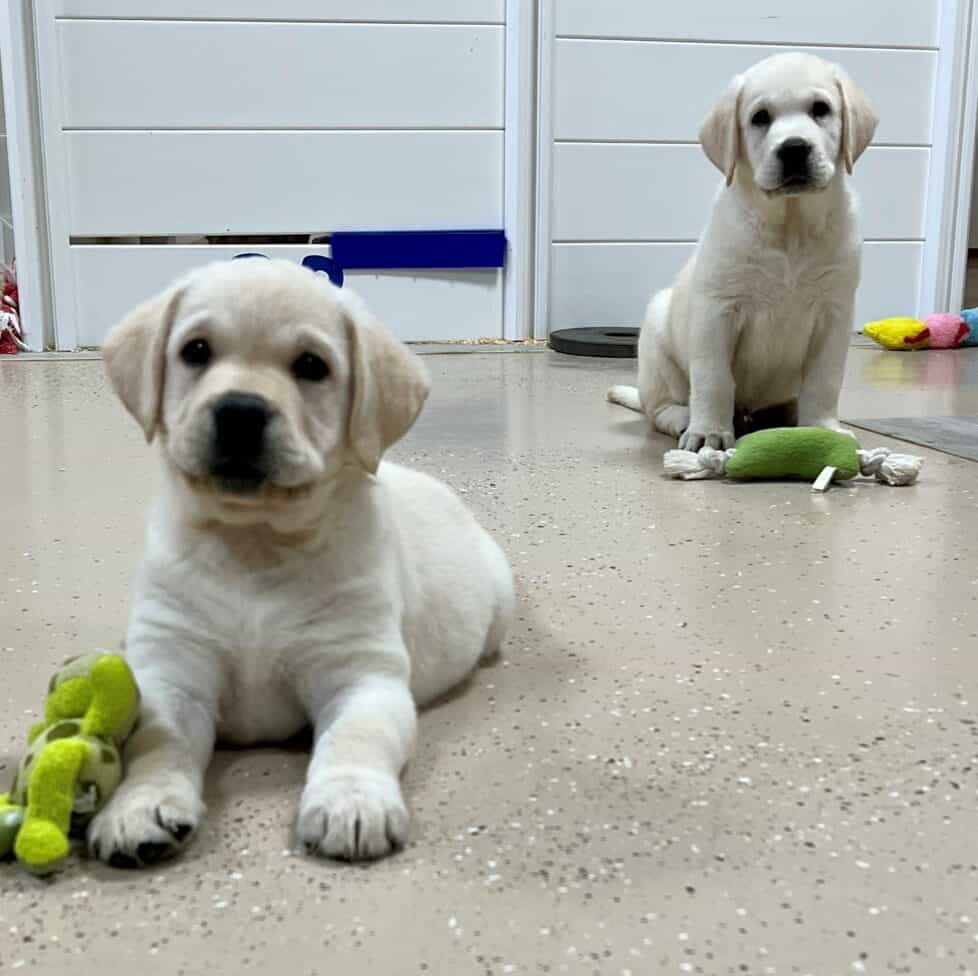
(120, 75)
(298, 11)
(611, 283)
(318, 116)
(663, 192)
(6, 202)
(279, 182)
(624, 189)
(596, 74)
(110, 280)
(872, 23)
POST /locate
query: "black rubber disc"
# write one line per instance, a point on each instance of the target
(621, 342)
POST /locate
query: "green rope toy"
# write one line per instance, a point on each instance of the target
(812, 453)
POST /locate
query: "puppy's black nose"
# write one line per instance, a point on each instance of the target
(794, 154)
(240, 420)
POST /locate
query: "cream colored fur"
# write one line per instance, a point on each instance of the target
(762, 313)
(340, 594)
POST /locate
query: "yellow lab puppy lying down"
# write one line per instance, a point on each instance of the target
(290, 576)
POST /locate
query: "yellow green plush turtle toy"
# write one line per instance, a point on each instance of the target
(73, 761)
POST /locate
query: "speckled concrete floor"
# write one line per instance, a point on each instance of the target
(733, 732)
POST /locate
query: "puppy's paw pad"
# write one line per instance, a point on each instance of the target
(353, 815)
(144, 825)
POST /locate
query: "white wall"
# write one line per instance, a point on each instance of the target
(629, 82)
(23, 179)
(317, 116)
(6, 207)
(973, 233)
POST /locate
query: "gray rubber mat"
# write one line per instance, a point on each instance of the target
(952, 435)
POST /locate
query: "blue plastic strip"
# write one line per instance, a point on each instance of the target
(404, 250)
(407, 249)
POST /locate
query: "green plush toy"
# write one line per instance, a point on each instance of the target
(812, 453)
(73, 762)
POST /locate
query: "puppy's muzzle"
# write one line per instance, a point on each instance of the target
(238, 451)
(795, 156)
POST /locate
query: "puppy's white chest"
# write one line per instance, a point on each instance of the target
(775, 317)
(255, 637)
(257, 703)
(786, 282)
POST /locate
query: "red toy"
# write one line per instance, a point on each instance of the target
(11, 334)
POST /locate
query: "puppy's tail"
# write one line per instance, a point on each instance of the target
(626, 396)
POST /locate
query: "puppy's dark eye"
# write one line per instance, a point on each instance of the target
(197, 352)
(310, 367)
(761, 118)
(821, 109)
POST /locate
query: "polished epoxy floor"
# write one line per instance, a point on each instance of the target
(735, 729)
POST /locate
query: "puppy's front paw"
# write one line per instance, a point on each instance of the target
(693, 440)
(145, 823)
(352, 814)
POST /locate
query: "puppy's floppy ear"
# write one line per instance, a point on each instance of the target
(135, 357)
(389, 384)
(720, 133)
(859, 118)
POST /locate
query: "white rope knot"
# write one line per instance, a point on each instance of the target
(708, 462)
(890, 468)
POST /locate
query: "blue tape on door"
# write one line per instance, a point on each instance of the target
(405, 250)
(409, 249)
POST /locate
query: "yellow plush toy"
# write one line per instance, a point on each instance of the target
(73, 761)
(899, 333)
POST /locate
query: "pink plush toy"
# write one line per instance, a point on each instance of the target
(946, 330)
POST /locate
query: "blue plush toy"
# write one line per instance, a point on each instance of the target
(970, 316)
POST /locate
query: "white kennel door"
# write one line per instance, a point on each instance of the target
(623, 187)
(172, 130)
